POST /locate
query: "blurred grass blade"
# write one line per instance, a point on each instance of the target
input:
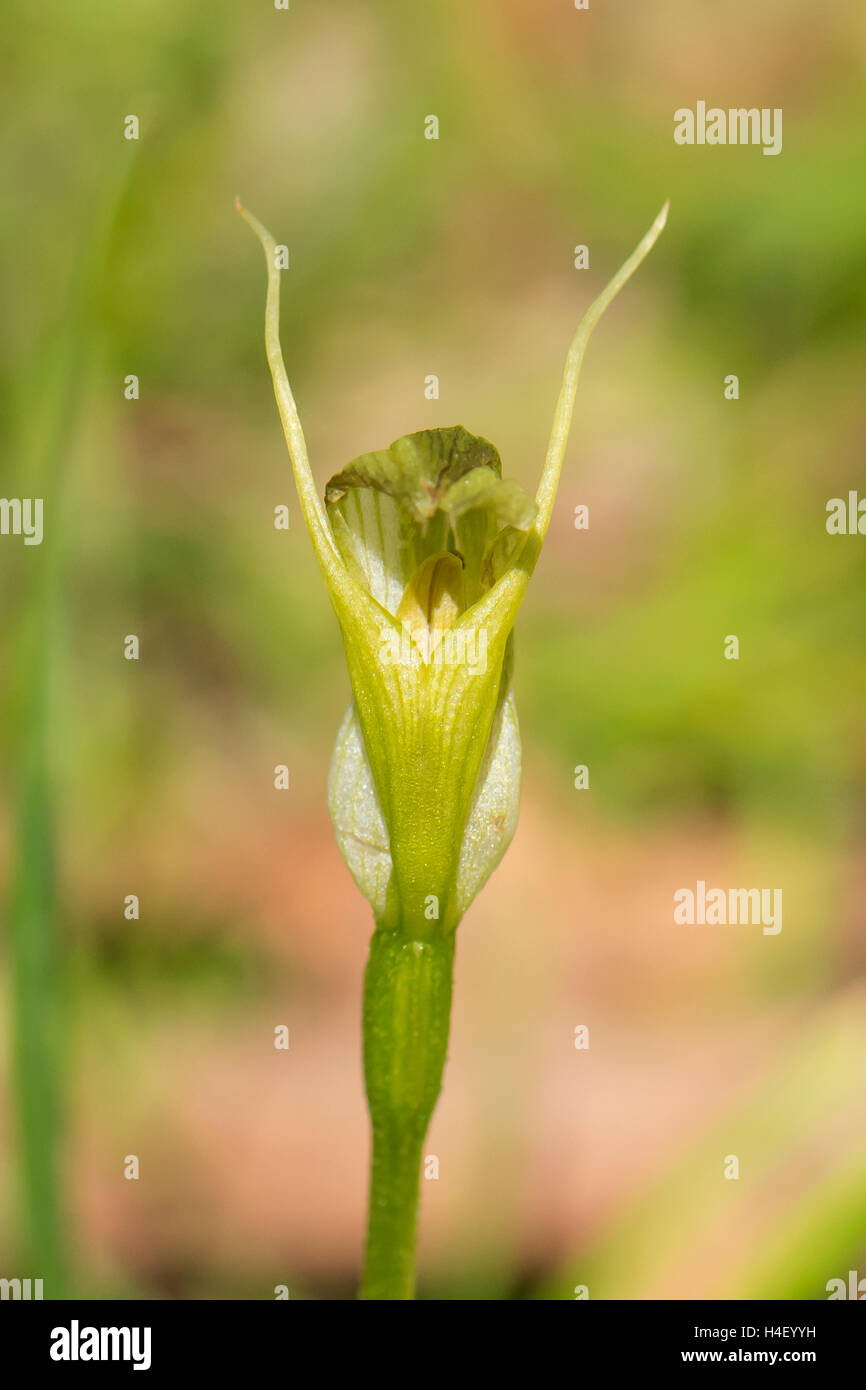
(48, 392)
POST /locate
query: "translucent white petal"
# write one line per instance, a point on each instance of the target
(493, 818)
(358, 822)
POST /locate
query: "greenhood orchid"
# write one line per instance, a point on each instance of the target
(427, 552)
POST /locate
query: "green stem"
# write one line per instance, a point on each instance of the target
(407, 1010)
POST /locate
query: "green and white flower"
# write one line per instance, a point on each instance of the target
(427, 552)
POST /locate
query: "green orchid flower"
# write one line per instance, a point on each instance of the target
(427, 552)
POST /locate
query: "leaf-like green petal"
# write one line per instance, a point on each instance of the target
(361, 832)
(418, 468)
(482, 488)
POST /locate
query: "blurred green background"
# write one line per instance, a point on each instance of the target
(154, 1037)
